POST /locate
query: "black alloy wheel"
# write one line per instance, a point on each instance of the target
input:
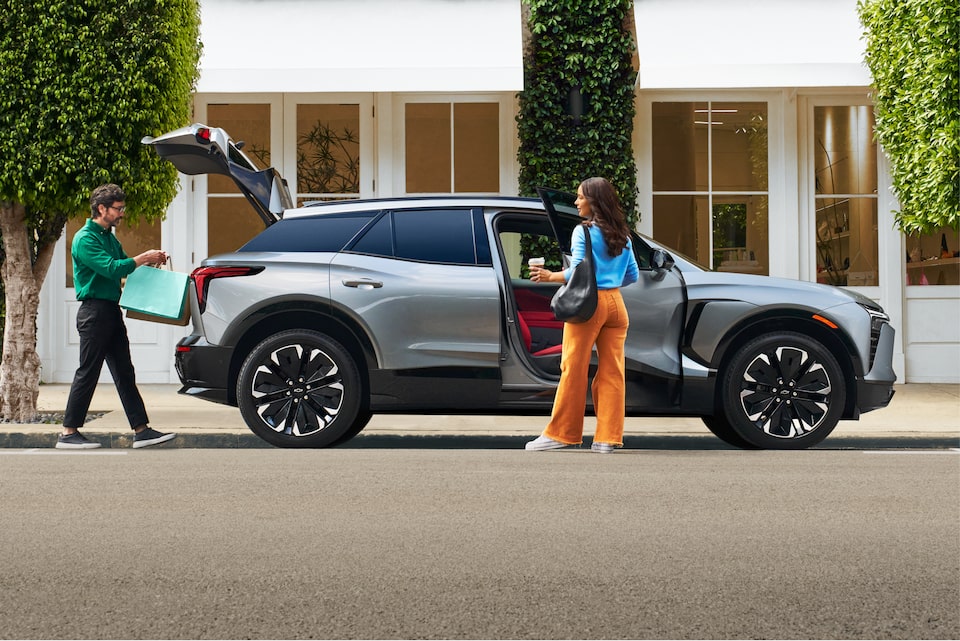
(783, 391)
(300, 388)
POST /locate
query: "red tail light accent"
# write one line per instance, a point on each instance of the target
(203, 275)
(203, 135)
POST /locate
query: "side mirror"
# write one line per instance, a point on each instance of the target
(661, 260)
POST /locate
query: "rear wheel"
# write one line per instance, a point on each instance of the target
(300, 388)
(783, 391)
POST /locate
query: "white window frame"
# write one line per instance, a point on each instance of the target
(506, 148)
(368, 165)
(889, 244)
(781, 217)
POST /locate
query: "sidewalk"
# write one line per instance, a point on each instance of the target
(917, 410)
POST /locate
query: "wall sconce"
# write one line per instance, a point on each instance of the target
(576, 104)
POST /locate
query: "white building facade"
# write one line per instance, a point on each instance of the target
(753, 141)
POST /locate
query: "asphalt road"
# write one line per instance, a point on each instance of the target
(427, 543)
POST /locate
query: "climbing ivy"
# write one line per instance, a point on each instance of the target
(911, 50)
(580, 53)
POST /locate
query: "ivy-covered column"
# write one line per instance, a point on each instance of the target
(577, 107)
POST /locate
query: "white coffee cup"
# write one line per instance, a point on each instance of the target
(536, 262)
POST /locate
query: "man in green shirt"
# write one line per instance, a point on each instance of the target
(99, 265)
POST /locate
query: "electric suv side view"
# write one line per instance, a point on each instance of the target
(337, 311)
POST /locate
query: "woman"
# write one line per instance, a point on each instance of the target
(616, 267)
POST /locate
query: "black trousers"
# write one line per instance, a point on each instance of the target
(103, 337)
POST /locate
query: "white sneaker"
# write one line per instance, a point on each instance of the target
(602, 448)
(543, 443)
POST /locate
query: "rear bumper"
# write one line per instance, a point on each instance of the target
(204, 369)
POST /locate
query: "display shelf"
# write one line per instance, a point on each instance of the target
(934, 262)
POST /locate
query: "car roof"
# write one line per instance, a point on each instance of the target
(411, 202)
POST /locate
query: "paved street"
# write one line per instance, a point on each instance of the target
(479, 543)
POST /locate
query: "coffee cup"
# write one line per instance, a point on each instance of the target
(536, 262)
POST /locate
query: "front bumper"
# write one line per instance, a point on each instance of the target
(876, 388)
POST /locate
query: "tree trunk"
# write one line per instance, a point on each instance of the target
(22, 280)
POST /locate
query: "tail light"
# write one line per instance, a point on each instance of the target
(203, 275)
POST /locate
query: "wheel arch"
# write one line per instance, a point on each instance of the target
(835, 340)
(272, 320)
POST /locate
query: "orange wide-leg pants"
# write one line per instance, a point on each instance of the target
(608, 331)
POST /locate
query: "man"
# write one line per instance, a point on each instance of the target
(99, 264)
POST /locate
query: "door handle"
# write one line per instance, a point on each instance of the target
(363, 283)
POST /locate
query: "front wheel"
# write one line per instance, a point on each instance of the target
(300, 388)
(783, 391)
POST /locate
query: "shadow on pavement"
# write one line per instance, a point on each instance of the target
(653, 442)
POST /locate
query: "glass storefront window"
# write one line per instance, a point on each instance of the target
(452, 147)
(710, 182)
(231, 221)
(846, 196)
(934, 259)
(328, 151)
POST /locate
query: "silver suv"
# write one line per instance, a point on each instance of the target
(337, 311)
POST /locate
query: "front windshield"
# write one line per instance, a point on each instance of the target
(685, 263)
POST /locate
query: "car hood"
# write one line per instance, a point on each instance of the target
(763, 290)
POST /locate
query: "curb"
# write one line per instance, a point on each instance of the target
(659, 441)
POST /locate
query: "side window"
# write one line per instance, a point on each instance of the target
(378, 240)
(436, 236)
(641, 250)
(313, 234)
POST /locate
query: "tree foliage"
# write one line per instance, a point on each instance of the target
(912, 53)
(81, 82)
(579, 53)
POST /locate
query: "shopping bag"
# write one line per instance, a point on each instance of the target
(156, 295)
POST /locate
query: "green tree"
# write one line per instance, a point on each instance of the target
(911, 50)
(577, 106)
(83, 81)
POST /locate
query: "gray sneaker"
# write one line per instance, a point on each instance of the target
(75, 441)
(150, 436)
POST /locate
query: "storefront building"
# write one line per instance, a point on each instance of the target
(753, 140)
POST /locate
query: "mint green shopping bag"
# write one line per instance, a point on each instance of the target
(156, 295)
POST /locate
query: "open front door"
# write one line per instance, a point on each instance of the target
(557, 202)
(198, 149)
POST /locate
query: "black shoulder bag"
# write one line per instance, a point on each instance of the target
(576, 300)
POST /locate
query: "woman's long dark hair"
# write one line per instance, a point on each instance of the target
(607, 213)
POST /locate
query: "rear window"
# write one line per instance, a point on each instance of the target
(313, 234)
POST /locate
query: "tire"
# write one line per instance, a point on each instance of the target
(300, 388)
(358, 424)
(722, 429)
(783, 391)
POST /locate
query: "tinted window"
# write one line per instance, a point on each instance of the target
(315, 234)
(483, 243)
(437, 236)
(378, 240)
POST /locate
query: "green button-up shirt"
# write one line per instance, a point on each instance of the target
(99, 263)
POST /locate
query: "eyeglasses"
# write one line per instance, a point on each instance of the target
(121, 208)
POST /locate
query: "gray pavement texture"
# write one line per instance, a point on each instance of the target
(928, 412)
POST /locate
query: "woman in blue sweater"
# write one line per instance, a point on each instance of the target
(616, 267)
